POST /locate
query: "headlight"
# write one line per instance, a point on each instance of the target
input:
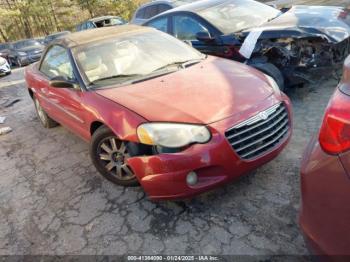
(22, 53)
(172, 135)
(274, 85)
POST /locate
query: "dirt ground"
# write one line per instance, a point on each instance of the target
(53, 201)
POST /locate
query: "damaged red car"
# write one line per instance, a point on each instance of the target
(157, 112)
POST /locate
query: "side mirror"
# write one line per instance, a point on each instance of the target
(60, 82)
(204, 36)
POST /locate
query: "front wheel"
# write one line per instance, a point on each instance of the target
(109, 155)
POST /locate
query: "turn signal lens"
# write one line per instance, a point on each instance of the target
(144, 136)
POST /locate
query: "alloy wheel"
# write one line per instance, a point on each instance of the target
(113, 154)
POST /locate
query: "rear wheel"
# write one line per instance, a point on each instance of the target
(109, 155)
(273, 71)
(45, 120)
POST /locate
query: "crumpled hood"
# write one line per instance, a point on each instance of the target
(330, 22)
(204, 93)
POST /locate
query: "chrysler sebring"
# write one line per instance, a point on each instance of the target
(156, 112)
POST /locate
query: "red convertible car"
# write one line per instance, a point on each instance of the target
(157, 112)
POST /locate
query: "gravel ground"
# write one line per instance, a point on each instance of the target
(52, 200)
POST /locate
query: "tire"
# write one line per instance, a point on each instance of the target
(273, 71)
(109, 157)
(45, 120)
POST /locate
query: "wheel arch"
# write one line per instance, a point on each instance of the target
(95, 125)
(31, 93)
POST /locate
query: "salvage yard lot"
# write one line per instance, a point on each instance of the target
(53, 201)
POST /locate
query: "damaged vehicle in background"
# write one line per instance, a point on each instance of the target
(25, 52)
(285, 45)
(112, 87)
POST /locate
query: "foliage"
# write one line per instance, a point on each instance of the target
(37, 18)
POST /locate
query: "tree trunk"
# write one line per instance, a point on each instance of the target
(54, 17)
(3, 35)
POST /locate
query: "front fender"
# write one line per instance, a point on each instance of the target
(122, 121)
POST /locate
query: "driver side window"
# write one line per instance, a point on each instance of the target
(57, 63)
(186, 28)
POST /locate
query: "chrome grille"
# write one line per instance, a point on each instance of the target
(260, 133)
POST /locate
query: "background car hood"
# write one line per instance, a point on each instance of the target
(330, 22)
(204, 93)
(31, 49)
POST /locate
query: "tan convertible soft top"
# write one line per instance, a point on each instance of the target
(99, 34)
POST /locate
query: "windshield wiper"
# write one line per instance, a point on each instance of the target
(182, 64)
(114, 77)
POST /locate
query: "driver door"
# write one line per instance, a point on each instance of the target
(65, 103)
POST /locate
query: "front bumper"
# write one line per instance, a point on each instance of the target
(325, 210)
(163, 176)
(5, 69)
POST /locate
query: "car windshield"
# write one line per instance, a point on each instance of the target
(132, 57)
(232, 16)
(27, 43)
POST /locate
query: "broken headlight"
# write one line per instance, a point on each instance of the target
(172, 135)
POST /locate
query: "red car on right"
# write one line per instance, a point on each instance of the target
(325, 179)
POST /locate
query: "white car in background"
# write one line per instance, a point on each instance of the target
(151, 9)
(5, 68)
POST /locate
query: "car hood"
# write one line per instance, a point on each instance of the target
(332, 23)
(204, 93)
(31, 49)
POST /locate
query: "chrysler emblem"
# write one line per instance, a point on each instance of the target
(263, 115)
